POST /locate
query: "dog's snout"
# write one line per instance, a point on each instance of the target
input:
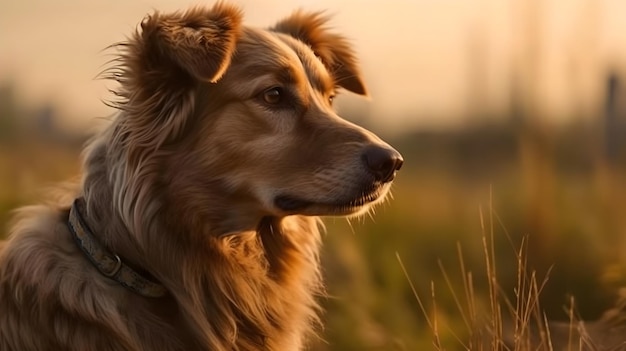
(383, 162)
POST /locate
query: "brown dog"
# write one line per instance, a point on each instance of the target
(194, 225)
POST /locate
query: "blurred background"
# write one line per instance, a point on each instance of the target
(515, 106)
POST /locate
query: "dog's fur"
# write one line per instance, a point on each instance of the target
(210, 178)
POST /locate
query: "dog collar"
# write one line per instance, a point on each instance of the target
(109, 264)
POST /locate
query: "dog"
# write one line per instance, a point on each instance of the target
(195, 225)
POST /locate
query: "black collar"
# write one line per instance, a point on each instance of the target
(109, 264)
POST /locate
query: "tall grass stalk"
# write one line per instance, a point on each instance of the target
(507, 324)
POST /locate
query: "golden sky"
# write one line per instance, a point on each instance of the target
(428, 63)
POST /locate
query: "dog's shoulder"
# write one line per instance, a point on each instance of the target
(40, 286)
(38, 238)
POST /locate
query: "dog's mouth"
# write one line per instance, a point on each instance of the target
(297, 205)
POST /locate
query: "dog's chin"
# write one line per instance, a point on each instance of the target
(292, 204)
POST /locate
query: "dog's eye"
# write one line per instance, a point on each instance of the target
(273, 96)
(331, 99)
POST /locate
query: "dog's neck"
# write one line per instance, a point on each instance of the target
(259, 271)
(100, 214)
(126, 237)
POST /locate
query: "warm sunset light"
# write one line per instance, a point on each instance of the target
(467, 159)
(429, 63)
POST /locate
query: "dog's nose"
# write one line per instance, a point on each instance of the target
(383, 162)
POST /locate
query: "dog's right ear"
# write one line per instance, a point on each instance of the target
(199, 41)
(160, 66)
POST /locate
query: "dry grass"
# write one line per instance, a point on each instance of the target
(498, 322)
(469, 305)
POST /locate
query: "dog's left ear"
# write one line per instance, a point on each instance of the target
(333, 49)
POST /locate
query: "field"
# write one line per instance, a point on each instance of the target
(488, 204)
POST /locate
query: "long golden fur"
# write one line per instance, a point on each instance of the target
(210, 178)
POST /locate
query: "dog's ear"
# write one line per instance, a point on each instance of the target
(160, 66)
(200, 41)
(333, 49)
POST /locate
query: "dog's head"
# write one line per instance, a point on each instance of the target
(250, 111)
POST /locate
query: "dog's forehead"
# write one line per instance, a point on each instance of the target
(265, 51)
